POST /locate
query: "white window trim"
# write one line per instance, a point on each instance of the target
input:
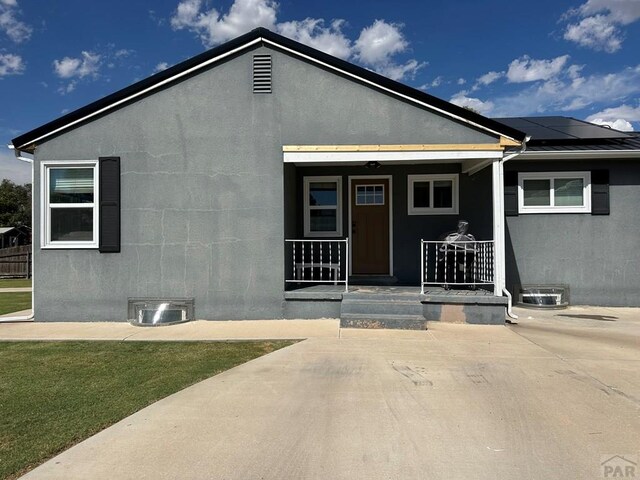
(411, 179)
(45, 210)
(308, 208)
(551, 176)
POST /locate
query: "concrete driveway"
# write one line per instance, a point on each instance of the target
(549, 398)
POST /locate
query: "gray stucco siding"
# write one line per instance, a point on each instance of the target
(204, 208)
(596, 255)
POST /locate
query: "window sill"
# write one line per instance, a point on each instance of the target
(525, 211)
(70, 246)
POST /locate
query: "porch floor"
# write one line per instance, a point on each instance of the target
(335, 292)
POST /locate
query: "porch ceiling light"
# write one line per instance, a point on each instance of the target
(372, 165)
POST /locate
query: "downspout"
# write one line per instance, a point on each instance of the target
(506, 292)
(24, 318)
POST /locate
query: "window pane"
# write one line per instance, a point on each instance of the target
(323, 220)
(72, 224)
(369, 195)
(71, 185)
(569, 192)
(536, 192)
(421, 194)
(323, 193)
(443, 194)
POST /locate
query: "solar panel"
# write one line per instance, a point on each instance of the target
(561, 128)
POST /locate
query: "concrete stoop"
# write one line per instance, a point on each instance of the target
(401, 311)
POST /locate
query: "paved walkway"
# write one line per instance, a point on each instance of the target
(530, 401)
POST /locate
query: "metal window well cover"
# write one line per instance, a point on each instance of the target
(544, 296)
(154, 312)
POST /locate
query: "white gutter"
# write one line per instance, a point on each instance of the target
(579, 154)
(24, 318)
(501, 251)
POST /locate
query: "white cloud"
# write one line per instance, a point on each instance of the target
(379, 42)
(11, 64)
(214, 28)
(437, 81)
(619, 117)
(461, 81)
(375, 48)
(596, 32)
(68, 88)
(489, 77)
(15, 29)
(526, 69)
(123, 53)
(161, 66)
(618, 124)
(570, 92)
(312, 32)
(462, 100)
(87, 64)
(600, 22)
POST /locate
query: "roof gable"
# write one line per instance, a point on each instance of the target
(257, 37)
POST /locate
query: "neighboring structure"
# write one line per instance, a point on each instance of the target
(14, 236)
(262, 166)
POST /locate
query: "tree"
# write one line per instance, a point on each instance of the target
(15, 204)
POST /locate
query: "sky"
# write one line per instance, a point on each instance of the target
(500, 57)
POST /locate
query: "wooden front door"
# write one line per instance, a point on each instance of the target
(370, 226)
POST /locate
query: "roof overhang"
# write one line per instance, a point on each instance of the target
(30, 140)
(309, 155)
(579, 155)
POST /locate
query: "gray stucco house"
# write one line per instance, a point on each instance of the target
(265, 179)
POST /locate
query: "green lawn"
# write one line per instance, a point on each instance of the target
(14, 302)
(15, 282)
(54, 394)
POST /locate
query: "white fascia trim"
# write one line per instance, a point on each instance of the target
(348, 157)
(393, 92)
(146, 90)
(579, 154)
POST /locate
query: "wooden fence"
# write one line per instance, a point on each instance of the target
(16, 261)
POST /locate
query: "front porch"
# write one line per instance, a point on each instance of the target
(374, 237)
(404, 307)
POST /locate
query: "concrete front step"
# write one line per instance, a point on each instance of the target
(404, 322)
(385, 307)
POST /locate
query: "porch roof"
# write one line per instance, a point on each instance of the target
(395, 154)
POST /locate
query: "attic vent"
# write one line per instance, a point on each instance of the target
(262, 74)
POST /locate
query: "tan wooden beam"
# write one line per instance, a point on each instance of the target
(397, 148)
(507, 142)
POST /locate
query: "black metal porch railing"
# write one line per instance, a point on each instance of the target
(470, 263)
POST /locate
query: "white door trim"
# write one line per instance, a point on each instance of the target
(373, 177)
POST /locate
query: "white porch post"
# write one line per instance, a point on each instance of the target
(497, 169)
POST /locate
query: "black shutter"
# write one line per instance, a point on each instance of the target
(109, 204)
(511, 194)
(600, 192)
